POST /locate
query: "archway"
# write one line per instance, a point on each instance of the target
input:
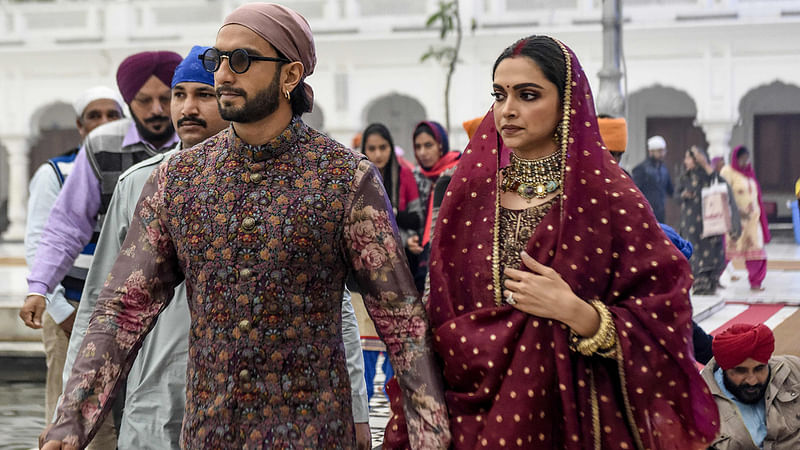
(769, 125)
(400, 113)
(670, 113)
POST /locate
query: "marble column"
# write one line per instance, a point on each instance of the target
(17, 151)
(718, 135)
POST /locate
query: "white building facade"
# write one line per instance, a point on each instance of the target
(718, 73)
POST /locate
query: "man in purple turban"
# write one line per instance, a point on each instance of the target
(264, 221)
(78, 212)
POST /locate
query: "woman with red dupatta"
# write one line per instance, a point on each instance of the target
(436, 166)
(560, 309)
(755, 228)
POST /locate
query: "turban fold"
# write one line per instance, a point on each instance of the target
(136, 69)
(191, 69)
(742, 341)
(471, 126)
(614, 132)
(285, 30)
(656, 142)
(95, 93)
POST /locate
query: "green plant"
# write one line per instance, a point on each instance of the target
(446, 19)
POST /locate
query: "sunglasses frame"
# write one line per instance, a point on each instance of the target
(221, 54)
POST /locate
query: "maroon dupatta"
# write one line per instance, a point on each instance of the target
(511, 378)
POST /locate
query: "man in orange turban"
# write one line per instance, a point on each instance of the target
(758, 395)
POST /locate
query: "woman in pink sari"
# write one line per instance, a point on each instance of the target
(560, 309)
(755, 228)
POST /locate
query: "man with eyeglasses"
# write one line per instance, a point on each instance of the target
(263, 221)
(155, 387)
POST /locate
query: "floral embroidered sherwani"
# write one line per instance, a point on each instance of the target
(264, 237)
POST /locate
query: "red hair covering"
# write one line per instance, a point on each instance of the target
(742, 341)
(135, 70)
(510, 376)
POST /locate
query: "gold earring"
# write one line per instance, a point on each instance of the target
(287, 95)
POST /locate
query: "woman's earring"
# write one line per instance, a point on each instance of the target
(557, 136)
(287, 95)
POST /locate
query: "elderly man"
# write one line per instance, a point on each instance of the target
(263, 222)
(94, 107)
(652, 177)
(758, 395)
(155, 388)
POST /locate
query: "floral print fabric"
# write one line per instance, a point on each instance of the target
(265, 238)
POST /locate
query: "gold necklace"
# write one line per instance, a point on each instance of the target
(532, 177)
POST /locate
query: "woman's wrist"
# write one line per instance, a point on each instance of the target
(582, 318)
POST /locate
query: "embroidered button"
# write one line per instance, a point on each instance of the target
(244, 325)
(256, 178)
(245, 274)
(244, 375)
(248, 223)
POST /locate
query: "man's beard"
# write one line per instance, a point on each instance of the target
(745, 393)
(150, 136)
(264, 103)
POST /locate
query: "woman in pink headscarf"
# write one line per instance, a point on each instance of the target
(560, 309)
(755, 228)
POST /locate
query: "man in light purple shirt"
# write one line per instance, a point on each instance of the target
(77, 216)
(143, 80)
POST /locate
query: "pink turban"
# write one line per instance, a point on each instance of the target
(285, 30)
(742, 341)
(136, 69)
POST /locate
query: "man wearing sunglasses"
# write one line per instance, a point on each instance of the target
(263, 221)
(155, 388)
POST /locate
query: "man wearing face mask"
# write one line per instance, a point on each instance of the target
(758, 395)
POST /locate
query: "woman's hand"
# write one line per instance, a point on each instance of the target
(543, 293)
(413, 245)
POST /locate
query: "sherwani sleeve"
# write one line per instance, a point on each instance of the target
(140, 285)
(373, 247)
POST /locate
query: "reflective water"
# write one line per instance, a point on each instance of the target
(21, 414)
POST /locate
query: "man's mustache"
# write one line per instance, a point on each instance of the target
(230, 90)
(154, 119)
(191, 121)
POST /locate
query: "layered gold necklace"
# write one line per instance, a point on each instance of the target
(532, 177)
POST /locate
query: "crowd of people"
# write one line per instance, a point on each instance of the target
(214, 273)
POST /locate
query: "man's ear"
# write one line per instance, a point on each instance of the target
(291, 75)
(79, 125)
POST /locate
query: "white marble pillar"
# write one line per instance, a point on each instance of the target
(718, 135)
(17, 151)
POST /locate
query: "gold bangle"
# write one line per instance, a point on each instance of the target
(602, 341)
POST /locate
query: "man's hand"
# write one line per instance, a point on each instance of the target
(31, 312)
(363, 436)
(53, 445)
(68, 323)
